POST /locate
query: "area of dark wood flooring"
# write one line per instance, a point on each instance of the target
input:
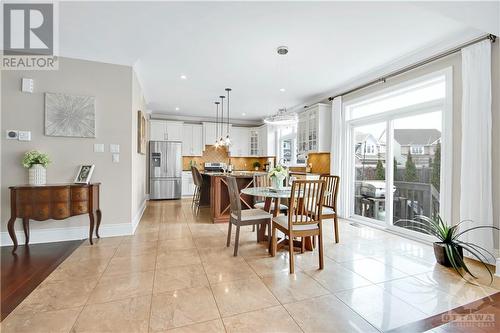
(24, 270)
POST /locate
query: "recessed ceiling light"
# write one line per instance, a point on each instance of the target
(282, 89)
(183, 77)
(177, 108)
(243, 114)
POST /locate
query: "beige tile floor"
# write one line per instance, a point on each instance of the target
(175, 274)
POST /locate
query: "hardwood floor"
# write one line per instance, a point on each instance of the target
(23, 271)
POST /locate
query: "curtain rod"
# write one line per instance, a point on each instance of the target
(382, 79)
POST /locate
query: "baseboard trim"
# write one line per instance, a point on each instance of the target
(138, 215)
(51, 235)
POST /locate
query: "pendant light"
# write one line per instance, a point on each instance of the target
(228, 140)
(217, 124)
(221, 140)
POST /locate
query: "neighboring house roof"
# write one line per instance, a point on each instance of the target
(361, 137)
(421, 137)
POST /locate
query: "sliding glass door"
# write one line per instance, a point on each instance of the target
(369, 155)
(395, 144)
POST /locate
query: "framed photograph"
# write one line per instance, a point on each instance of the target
(84, 174)
(141, 133)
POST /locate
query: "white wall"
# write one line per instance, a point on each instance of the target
(139, 162)
(113, 87)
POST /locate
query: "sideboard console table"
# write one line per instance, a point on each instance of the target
(58, 202)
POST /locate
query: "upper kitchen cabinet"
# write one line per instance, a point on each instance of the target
(240, 146)
(192, 140)
(267, 141)
(210, 133)
(314, 129)
(162, 130)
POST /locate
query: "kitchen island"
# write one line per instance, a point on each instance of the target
(214, 193)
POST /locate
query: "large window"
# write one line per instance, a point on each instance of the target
(399, 143)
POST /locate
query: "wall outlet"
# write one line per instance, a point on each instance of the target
(116, 158)
(11, 134)
(98, 147)
(24, 136)
(114, 148)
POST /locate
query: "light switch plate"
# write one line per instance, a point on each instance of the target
(24, 136)
(27, 85)
(98, 147)
(114, 148)
(116, 158)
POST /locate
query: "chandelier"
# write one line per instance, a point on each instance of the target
(282, 117)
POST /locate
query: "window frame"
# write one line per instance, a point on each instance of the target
(444, 105)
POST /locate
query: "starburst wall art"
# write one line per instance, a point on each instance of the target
(69, 115)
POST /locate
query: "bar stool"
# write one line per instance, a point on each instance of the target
(198, 182)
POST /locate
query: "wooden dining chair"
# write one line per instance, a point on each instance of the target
(240, 217)
(329, 209)
(198, 182)
(304, 217)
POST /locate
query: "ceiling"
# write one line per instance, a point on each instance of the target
(222, 44)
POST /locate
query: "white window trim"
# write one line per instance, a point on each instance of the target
(446, 106)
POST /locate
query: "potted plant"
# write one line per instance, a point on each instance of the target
(278, 175)
(448, 250)
(256, 165)
(36, 162)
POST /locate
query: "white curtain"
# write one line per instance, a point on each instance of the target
(476, 194)
(336, 153)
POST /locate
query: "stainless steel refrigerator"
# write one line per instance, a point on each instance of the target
(165, 169)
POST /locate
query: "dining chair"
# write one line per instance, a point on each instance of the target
(198, 182)
(304, 217)
(240, 217)
(329, 209)
(263, 180)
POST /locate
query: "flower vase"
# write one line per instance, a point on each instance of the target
(278, 182)
(37, 175)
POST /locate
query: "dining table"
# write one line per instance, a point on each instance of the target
(275, 195)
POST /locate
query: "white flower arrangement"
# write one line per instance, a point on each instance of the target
(278, 171)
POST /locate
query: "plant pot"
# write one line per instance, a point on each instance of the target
(37, 175)
(442, 257)
(256, 168)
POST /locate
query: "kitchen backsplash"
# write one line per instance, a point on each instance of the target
(320, 163)
(214, 155)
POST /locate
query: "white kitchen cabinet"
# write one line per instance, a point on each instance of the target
(157, 130)
(187, 184)
(267, 141)
(163, 130)
(240, 142)
(254, 142)
(192, 140)
(209, 133)
(197, 142)
(174, 130)
(314, 129)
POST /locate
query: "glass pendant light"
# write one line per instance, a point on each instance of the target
(217, 124)
(221, 140)
(227, 142)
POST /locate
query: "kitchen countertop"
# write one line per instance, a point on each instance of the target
(238, 174)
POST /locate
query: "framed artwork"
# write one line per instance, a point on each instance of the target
(141, 133)
(84, 174)
(69, 115)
